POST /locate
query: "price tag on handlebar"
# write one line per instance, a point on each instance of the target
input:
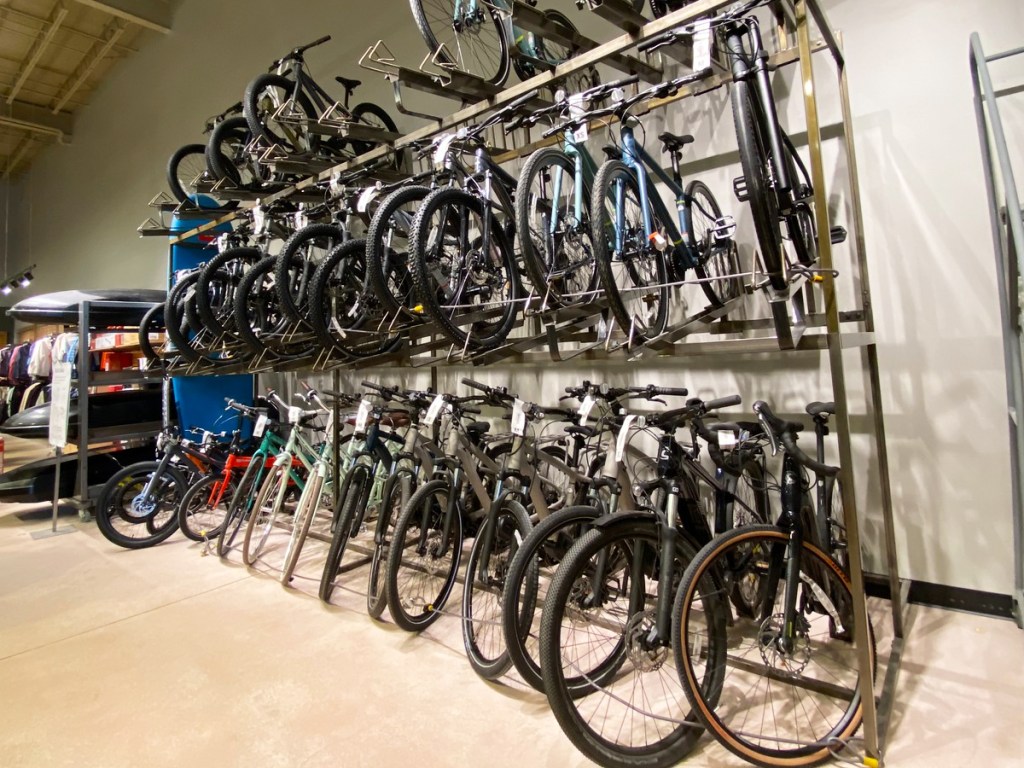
(518, 418)
(363, 415)
(261, 425)
(576, 111)
(726, 439)
(301, 218)
(365, 197)
(586, 407)
(701, 45)
(259, 220)
(294, 414)
(620, 441)
(434, 410)
(441, 151)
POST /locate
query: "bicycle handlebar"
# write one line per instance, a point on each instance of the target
(786, 432)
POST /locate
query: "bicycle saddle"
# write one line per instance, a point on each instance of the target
(817, 408)
(349, 83)
(475, 429)
(673, 142)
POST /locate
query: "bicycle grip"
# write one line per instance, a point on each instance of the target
(671, 391)
(625, 81)
(472, 410)
(523, 100)
(371, 385)
(723, 402)
(476, 385)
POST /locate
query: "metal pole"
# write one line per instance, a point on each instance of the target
(56, 486)
(83, 409)
(842, 415)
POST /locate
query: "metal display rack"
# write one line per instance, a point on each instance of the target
(805, 319)
(1007, 218)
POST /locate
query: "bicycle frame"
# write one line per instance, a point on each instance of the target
(585, 169)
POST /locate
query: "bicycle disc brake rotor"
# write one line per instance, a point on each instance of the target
(790, 663)
(645, 656)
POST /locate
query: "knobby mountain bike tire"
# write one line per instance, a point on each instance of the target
(275, 89)
(485, 583)
(638, 273)
(740, 679)
(184, 167)
(388, 248)
(150, 323)
(373, 115)
(297, 262)
(355, 491)
(399, 486)
(217, 282)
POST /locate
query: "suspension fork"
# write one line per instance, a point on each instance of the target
(666, 572)
(725, 496)
(165, 461)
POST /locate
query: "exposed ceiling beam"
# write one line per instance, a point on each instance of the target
(35, 119)
(17, 156)
(154, 15)
(57, 17)
(37, 23)
(99, 51)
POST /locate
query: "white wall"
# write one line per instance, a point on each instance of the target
(926, 228)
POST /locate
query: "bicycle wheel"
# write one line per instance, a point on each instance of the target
(528, 582)
(470, 37)
(755, 160)
(126, 516)
(374, 116)
(259, 321)
(634, 273)
(485, 582)
(388, 248)
(203, 508)
(305, 511)
(764, 702)
(350, 503)
(555, 53)
(298, 260)
(216, 285)
(187, 167)
(274, 117)
(398, 487)
(228, 156)
(266, 508)
(598, 623)
(716, 262)
(458, 277)
(241, 503)
(151, 321)
(423, 558)
(553, 236)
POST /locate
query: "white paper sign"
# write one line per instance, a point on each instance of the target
(620, 441)
(363, 415)
(701, 45)
(294, 414)
(434, 411)
(726, 440)
(60, 399)
(518, 418)
(586, 407)
(301, 219)
(261, 425)
(581, 133)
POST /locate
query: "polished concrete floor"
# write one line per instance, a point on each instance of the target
(168, 657)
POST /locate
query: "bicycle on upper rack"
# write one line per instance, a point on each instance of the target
(639, 250)
(188, 167)
(138, 505)
(777, 684)
(480, 38)
(278, 104)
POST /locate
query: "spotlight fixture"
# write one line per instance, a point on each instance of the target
(20, 280)
(25, 279)
(6, 290)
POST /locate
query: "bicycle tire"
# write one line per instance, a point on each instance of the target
(390, 508)
(182, 188)
(234, 135)
(490, 274)
(263, 517)
(713, 260)
(709, 694)
(543, 253)
(630, 543)
(757, 174)
(214, 271)
(169, 489)
(525, 591)
(637, 328)
(495, 73)
(153, 318)
(293, 295)
(253, 118)
(305, 512)
(175, 323)
(482, 617)
(357, 482)
(388, 270)
(241, 503)
(415, 610)
(197, 518)
(259, 322)
(365, 112)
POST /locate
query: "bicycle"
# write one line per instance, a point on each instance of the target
(793, 657)
(639, 250)
(276, 104)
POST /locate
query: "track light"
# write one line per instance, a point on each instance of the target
(25, 279)
(6, 290)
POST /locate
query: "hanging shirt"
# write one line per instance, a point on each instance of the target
(39, 363)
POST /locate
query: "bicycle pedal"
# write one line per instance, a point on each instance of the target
(724, 228)
(837, 235)
(739, 188)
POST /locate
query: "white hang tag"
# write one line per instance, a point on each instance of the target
(222, 242)
(576, 110)
(261, 425)
(294, 414)
(518, 418)
(363, 415)
(726, 440)
(441, 150)
(623, 438)
(301, 219)
(434, 410)
(259, 220)
(701, 45)
(336, 186)
(365, 198)
(586, 407)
